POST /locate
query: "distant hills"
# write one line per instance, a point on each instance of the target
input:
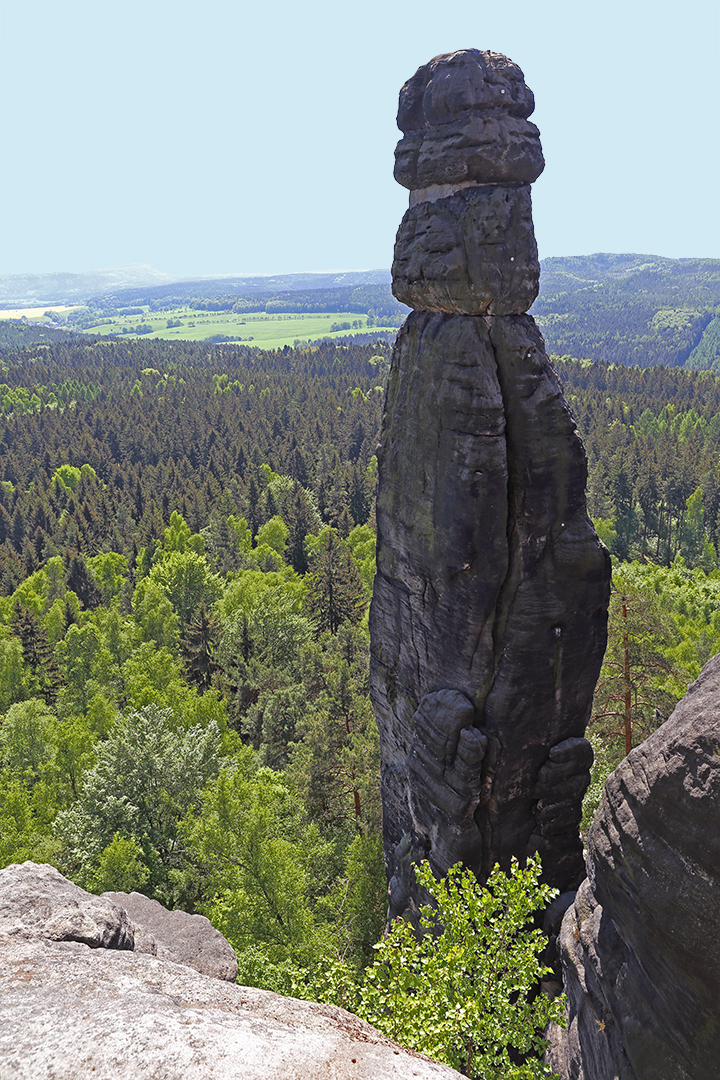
(632, 309)
(625, 309)
(31, 290)
(334, 291)
(132, 284)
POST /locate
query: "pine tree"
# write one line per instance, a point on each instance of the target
(300, 523)
(630, 687)
(221, 544)
(359, 494)
(345, 524)
(38, 653)
(82, 583)
(198, 648)
(335, 591)
(253, 506)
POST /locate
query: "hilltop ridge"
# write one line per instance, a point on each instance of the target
(632, 309)
(131, 283)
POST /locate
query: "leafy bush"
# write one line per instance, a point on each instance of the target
(465, 991)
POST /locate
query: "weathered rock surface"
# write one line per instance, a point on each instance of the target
(463, 81)
(37, 901)
(176, 935)
(493, 148)
(490, 582)
(69, 1011)
(489, 613)
(464, 117)
(473, 253)
(445, 777)
(641, 944)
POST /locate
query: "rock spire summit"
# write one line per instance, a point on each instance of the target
(469, 154)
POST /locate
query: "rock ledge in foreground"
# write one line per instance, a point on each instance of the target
(77, 1002)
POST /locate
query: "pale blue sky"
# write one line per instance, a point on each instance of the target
(229, 137)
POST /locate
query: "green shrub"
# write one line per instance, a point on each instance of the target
(465, 992)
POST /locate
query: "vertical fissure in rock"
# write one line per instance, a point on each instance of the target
(509, 586)
(485, 548)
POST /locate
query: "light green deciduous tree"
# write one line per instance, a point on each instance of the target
(465, 991)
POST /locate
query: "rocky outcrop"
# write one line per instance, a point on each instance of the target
(472, 252)
(464, 120)
(469, 154)
(640, 946)
(176, 935)
(489, 613)
(77, 1001)
(36, 900)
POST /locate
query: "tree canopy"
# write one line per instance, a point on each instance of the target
(187, 551)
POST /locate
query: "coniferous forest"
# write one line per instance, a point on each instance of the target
(186, 563)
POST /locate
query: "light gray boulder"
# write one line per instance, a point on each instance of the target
(36, 901)
(176, 935)
(68, 1012)
(77, 1002)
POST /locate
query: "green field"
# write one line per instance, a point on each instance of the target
(261, 330)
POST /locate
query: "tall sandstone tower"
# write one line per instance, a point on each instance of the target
(489, 613)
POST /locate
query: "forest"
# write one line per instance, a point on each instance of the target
(186, 562)
(632, 309)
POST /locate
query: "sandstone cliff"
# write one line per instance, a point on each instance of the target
(640, 946)
(489, 613)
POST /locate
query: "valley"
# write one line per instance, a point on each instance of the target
(187, 552)
(634, 310)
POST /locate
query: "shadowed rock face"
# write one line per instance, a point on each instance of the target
(489, 613)
(640, 946)
(472, 252)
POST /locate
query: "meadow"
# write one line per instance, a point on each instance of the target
(33, 313)
(263, 330)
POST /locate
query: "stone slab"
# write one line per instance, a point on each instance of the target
(68, 1012)
(177, 935)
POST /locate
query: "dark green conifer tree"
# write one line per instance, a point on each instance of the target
(81, 582)
(345, 523)
(335, 592)
(300, 522)
(221, 544)
(253, 506)
(198, 648)
(359, 494)
(38, 653)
